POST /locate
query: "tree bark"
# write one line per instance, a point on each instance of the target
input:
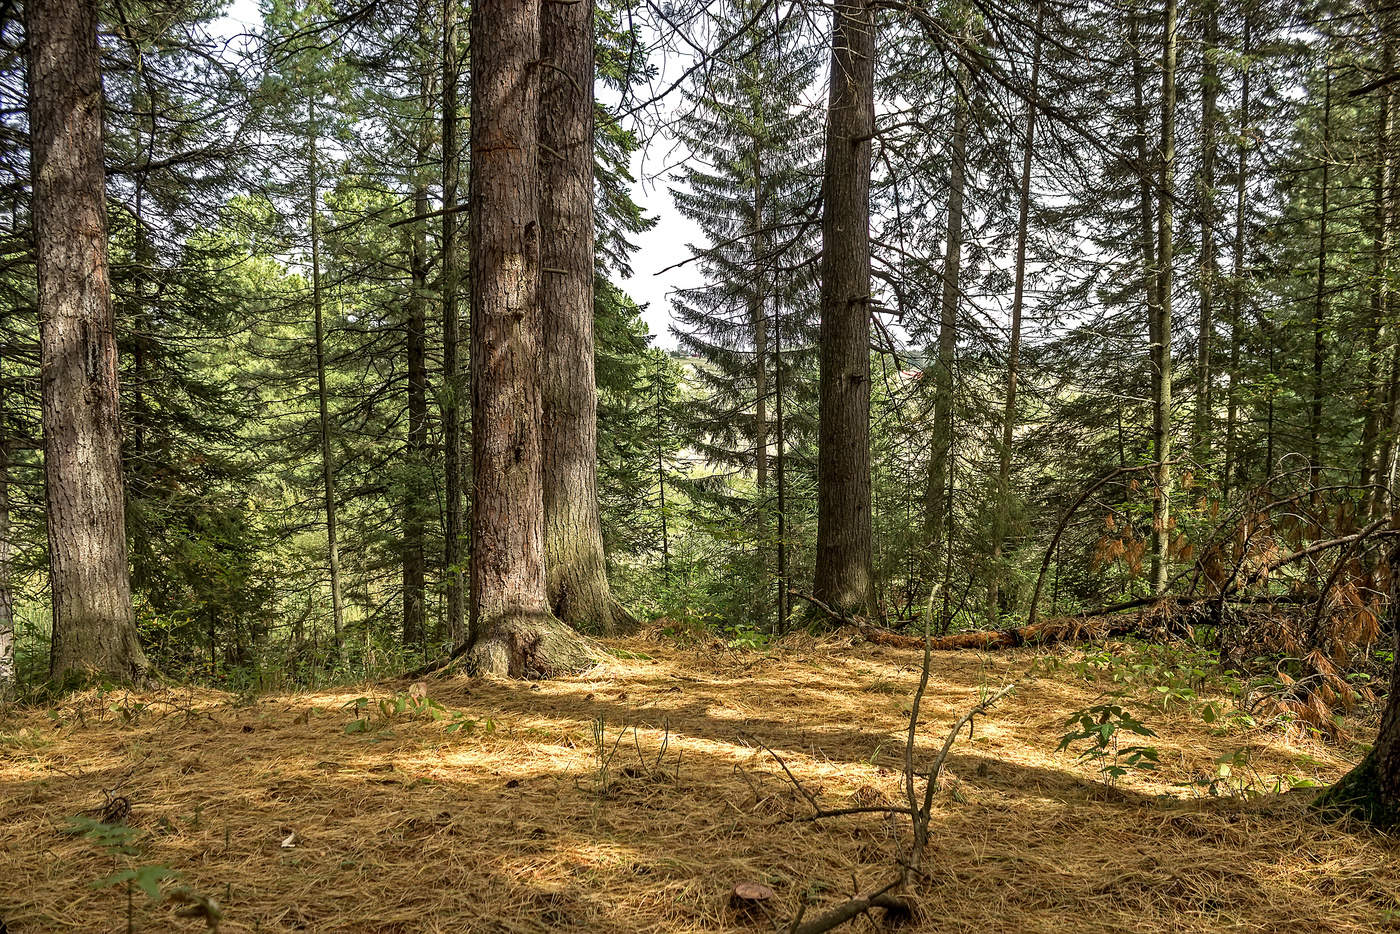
(1237, 284)
(844, 577)
(1319, 317)
(94, 629)
(322, 396)
(415, 490)
(1013, 351)
(512, 630)
(452, 389)
(1162, 346)
(575, 566)
(1380, 286)
(758, 322)
(1210, 88)
(937, 501)
(1371, 790)
(7, 550)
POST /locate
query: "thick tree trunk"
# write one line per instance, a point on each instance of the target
(1237, 284)
(512, 630)
(844, 577)
(937, 501)
(1162, 347)
(1371, 791)
(1210, 88)
(452, 389)
(575, 567)
(1013, 351)
(322, 396)
(94, 630)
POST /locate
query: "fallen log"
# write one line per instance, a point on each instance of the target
(1105, 624)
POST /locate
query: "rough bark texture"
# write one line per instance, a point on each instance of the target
(1162, 343)
(512, 631)
(452, 391)
(1371, 791)
(94, 630)
(844, 575)
(936, 494)
(575, 566)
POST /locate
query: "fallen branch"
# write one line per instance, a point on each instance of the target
(854, 907)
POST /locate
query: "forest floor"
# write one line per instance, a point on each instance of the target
(504, 816)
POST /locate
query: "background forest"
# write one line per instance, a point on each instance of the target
(1034, 365)
(1131, 327)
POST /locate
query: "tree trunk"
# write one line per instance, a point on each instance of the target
(575, 567)
(1380, 285)
(1371, 790)
(844, 576)
(758, 322)
(94, 629)
(415, 492)
(322, 397)
(1210, 88)
(452, 389)
(780, 466)
(1319, 318)
(1237, 285)
(512, 630)
(1013, 351)
(7, 549)
(1162, 347)
(937, 501)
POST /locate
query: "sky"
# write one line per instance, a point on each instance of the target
(659, 248)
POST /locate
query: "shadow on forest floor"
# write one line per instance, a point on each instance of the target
(513, 823)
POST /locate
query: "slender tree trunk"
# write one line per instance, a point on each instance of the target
(1380, 286)
(94, 630)
(7, 550)
(415, 494)
(937, 498)
(512, 630)
(322, 397)
(758, 322)
(779, 465)
(661, 430)
(1237, 285)
(576, 570)
(1371, 790)
(454, 531)
(1013, 351)
(1162, 370)
(844, 574)
(1319, 320)
(1210, 89)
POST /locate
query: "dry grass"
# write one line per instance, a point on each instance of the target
(411, 828)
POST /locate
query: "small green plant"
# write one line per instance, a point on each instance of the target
(123, 843)
(1096, 730)
(373, 716)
